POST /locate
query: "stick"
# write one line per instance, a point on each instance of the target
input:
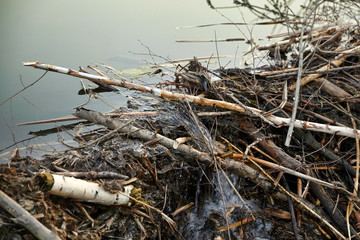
(25, 87)
(94, 175)
(297, 89)
(343, 131)
(24, 218)
(317, 127)
(293, 72)
(292, 172)
(212, 40)
(72, 118)
(305, 80)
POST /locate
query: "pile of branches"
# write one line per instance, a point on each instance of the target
(313, 77)
(236, 121)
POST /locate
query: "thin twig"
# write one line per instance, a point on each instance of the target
(25, 87)
(297, 90)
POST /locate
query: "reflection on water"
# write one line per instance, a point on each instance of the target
(122, 34)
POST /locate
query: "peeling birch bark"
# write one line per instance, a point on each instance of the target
(70, 187)
(311, 126)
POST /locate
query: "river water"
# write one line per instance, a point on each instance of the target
(117, 33)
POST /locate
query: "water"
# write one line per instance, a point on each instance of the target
(77, 33)
(200, 225)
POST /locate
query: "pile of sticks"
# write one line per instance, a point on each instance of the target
(312, 77)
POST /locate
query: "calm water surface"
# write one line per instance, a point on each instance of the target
(77, 33)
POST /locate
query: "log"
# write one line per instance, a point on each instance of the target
(81, 190)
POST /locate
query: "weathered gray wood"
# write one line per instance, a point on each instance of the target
(24, 218)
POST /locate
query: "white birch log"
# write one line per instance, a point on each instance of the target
(70, 187)
(311, 126)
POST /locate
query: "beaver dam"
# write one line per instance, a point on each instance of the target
(268, 152)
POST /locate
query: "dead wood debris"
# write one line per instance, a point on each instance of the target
(168, 173)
